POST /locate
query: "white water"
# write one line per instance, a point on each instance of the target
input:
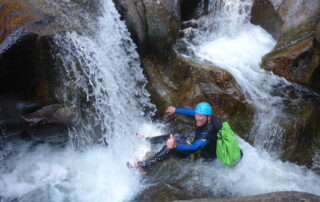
(228, 40)
(257, 173)
(33, 172)
(102, 79)
(240, 55)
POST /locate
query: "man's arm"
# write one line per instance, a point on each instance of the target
(200, 143)
(185, 111)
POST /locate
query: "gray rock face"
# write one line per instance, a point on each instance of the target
(183, 83)
(154, 25)
(28, 69)
(26, 63)
(296, 57)
(264, 14)
(294, 24)
(286, 196)
(134, 13)
(55, 113)
(11, 124)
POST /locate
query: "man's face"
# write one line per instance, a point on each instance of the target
(201, 119)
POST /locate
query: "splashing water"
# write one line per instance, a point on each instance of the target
(257, 173)
(226, 38)
(102, 79)
(230, 41)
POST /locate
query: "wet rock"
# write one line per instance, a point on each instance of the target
(154, 25)
(161, 192)
(264, 14)
(11, 125)
(183, 83)
(133, 12)
(296, 54)
(27, 29)
(296, 57)
(50, 133)
(298, 63)
(28, 69)
(302, 135)
(50, 123)
(193, 9)
(55, 113)
(274, 196)
(25, 59)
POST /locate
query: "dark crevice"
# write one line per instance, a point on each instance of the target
(17, 67)
(189, 8)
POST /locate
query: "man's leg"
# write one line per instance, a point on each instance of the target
(164, 152)
(158, 139)
(151, 161)
(179, 138)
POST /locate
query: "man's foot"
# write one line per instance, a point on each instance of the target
(137, 165)
(140, 136)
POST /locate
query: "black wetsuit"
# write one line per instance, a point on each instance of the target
(207, 133)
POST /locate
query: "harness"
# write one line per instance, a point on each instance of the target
(209, 132)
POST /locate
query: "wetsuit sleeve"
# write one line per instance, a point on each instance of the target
(200, 143)
(185, 111)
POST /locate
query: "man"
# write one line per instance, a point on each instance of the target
(207, 125)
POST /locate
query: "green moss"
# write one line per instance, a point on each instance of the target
(296, 34)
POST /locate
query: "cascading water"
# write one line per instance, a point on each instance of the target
(226, 38)
(102, 80)
(231, 42)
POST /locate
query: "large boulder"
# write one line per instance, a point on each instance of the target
(296, 56)
(302, 136)
(274, 196)
(295, 24)
(50, 123)
(194, 9)
(264, 14)
(183, 83)
(154, 25)
(26, 62)
(10, 123)
(28, 70)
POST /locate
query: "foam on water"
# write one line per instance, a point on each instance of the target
(43, 172)
(46, 173)
(240, 55)
(100, 77)
(256, 173)
(234, 44)
(111, 99)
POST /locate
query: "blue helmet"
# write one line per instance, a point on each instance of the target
(203, 108)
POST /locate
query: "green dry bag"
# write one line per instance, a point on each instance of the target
(228, 151)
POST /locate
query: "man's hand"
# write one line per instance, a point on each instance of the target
(170, 110)
(171, 143)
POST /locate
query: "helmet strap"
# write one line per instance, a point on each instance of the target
(209, 119)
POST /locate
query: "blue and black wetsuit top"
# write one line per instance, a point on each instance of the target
(205, 137)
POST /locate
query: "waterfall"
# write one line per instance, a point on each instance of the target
(101, 78)
(226, 38)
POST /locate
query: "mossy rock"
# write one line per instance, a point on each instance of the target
(302, 135)
(182, 82)
(154, 25)
(296, 55)
(297, 63)
(264, 14)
